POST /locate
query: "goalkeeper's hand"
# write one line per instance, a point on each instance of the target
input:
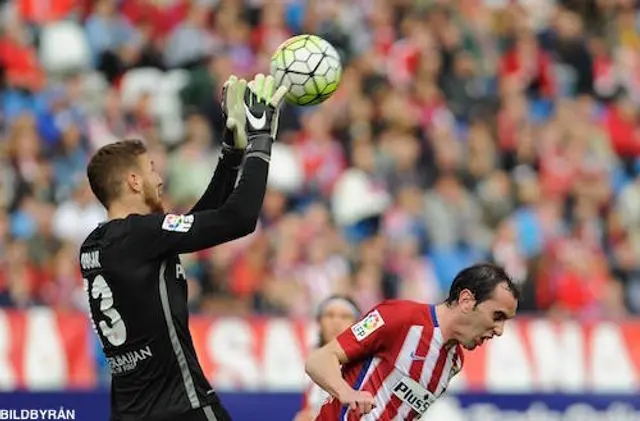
(262, 107)
(234, 136)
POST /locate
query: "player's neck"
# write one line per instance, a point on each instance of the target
(122, 209)
(446, 322)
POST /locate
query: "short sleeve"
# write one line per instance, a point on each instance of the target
(375, 331)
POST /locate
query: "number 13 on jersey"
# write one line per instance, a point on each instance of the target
(114, 330)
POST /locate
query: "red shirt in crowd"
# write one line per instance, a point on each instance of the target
(624, 133)
(539, 67)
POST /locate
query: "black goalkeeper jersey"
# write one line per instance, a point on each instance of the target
(137, 292)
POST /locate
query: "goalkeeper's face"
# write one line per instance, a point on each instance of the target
(152, 185)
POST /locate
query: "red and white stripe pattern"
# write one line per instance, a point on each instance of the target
(424, 358)
(314, 397)
(413, 348)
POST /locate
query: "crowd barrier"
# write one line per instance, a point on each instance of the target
(538, 370)
(42, 350)
(94, 406)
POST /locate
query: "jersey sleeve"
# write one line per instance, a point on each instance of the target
(223, 181)
(375, 331)
(157, 235)
(153, 236)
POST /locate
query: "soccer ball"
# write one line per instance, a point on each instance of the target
(309, 66)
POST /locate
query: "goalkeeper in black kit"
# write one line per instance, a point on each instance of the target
(135, 284)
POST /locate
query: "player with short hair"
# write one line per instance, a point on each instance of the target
(136, 286)
(401, 356)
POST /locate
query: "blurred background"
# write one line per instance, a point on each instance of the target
(463, 130)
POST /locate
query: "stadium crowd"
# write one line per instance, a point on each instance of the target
(463, 130)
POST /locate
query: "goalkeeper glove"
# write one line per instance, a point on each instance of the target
(262, 108)
(234, 136)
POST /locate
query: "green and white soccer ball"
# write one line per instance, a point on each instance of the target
(309, 66)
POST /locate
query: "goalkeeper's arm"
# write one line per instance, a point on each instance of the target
(234, 142)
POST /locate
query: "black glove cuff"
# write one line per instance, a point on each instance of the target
(260, 146)
(231, 157)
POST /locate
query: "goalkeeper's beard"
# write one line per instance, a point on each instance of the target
(152, 199)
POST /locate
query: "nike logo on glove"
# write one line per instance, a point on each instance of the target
(256, 122)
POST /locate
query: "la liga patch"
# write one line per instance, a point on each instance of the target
(365, 327)
(177, 223)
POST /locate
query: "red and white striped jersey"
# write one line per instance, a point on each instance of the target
(314, 397)
(398, 354)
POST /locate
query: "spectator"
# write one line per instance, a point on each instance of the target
(190, 41)
(108, 33)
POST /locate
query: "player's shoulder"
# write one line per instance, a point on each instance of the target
(101, 246)
(406, 307)
(112, 232)
(397, 302)
(97, 237)
(402, 311)
(136, 223)
(106, 229)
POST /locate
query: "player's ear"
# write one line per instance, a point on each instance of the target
(466, 301)
(134, 181)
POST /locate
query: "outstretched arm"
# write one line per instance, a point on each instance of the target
(157, 235)
(166, 235)
(223, 181)
(234, 143)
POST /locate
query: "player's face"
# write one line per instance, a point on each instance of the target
(152, 185)
(489, 317)
(336, 317)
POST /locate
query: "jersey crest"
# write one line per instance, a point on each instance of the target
(177, 223)
(365, 327)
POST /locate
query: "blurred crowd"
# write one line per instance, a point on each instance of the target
(463, 130)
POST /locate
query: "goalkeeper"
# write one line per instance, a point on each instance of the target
(136, 286)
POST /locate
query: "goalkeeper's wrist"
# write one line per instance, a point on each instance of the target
(231, 157)
(260, 146)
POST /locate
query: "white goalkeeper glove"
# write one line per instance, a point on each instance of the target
(233, 113)
(262, 106)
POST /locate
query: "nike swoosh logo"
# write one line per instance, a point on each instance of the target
(418, 357)
(257, 123)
